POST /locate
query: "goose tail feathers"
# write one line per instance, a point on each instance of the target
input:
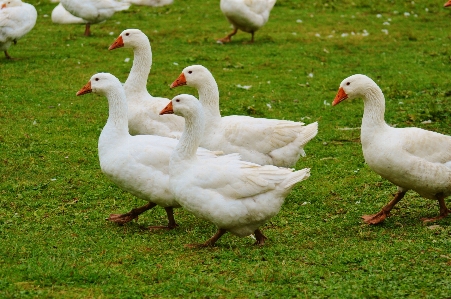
(296, 177)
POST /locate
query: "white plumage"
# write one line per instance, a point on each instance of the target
(246, 15)
(411, 158)
(258, 140)
(137, 164)
(16, 20)
(235, 195)
(143, 109)
(61, 16)
(94, 11)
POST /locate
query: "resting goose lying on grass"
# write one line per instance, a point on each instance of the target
(61, 16)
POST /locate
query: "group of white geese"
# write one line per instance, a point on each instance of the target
(235, 171)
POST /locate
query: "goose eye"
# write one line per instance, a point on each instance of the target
(190, 72)
(177, 100)
(347, 83)
(97, 79)
(127, 34)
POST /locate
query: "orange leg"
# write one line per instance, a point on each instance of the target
(444, 211)
(385, 212)
(252, 38)
(171, 224)
(134, 213)
(228, 38)
(127, 217)
(210, 242)
(88, 29)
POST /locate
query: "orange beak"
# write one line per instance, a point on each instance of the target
(341, 96)
(3, 5)
(118, 43)
(447, 3)
(167, 109)
(85, 89)
(181, 80)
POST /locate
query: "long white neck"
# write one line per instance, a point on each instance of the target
(209, 98)
(142, 62)
(117, 123)
(191, 136)
(374, 110)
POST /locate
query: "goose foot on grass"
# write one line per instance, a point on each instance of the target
(133, 214)
(385, 212)
(228, 38)
(260, 237)
(444, 211)
(171, 221)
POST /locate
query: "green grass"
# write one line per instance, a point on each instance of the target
(54, 241)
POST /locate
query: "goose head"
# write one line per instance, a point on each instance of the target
(194, 76)
(11, 3)
(355, 86)
(129, 38)
(100, 83)
(184, 105)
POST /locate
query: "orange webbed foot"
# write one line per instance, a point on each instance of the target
(224, 40)
(121, 218)
(375, 218)
(441, 216)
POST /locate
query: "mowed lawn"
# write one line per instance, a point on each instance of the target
(54, 240)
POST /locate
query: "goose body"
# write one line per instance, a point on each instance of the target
(94, 11)
(16, 19)
(246, 15)
(235, 195)
(258, 140)
(143, 108)
(411, 158)
(61, 16)
(137, 164)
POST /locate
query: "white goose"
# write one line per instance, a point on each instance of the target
(143, 109)
(93, 11)
(258, 140)
(16, 20)
(154, 3)
(237, 196)
(61, 16)
(411, 158)
(137, 164)
(246, 15)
